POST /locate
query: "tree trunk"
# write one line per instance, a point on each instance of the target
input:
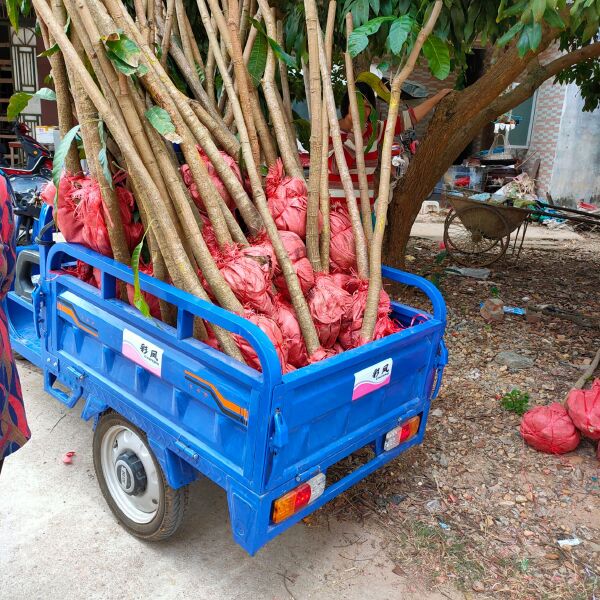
(457, 120)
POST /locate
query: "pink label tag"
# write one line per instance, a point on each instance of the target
(372, 378)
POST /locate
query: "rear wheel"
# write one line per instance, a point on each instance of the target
(132, 481)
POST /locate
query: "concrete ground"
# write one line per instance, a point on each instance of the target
(58, 539)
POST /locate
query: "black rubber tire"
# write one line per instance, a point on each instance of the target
(172, 502)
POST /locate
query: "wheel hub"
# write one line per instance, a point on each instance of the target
(131, 473)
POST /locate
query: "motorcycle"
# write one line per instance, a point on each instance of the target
(25, 185)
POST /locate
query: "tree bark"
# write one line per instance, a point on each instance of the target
(457, 120)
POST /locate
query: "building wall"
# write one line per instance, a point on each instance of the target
(576, 166)
(545, 131)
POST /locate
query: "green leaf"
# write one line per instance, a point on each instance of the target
(17, 104)
(19, 101)
(124, 53)
(538, 7)
(280, 53)
(12, 9)
(399, 33)
(510, 34)
(374, 5)
(138, 299)
(46, 53)
(161, 121)
(357, 42)
(437, 53)
(554, 19)
(535, 35)
(360, 101)
(102, 155)
(60, 154)
(258, 59)
(524, 44)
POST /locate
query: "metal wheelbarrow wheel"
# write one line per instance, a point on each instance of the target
(133, 483)
(476, 236)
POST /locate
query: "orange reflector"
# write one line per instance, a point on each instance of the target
(298, 498)
(402, 433)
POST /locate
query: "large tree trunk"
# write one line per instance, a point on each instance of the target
(458, 119)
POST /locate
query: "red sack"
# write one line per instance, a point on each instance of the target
(328, 305)
(296, 250)
(261, 250)
(584, 410)
(287, 198)
(152, 301)
(342, 250)
(247, 280)
(83, 272)
(306, 277)
(67, 219)
(350, 283)
(549, 429)
(208, 233)
(186, 174)
(273, 332)
(285, 316)
(351, 325)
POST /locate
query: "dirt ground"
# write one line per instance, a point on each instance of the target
(474, 508)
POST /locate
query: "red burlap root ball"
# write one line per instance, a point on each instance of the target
(549, 429)
(329, 305)
(186, 174)
(296, 250)
(584, 410)
(285, 316)
(273, 332)
(342, 252)
(287, 198)
(350, 330)
(247, 279)
(81, 217)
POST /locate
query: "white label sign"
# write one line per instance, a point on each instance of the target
(372, 378)
(141, 351)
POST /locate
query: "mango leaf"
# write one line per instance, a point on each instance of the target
(138, 299)
(437, 53)
(554, 19)
(359, 38)
(375, 84)
(524, 43)
(161, 121)
(535, 35)
(258, 59)
(102, 156)
(510, 34)
(19, 101)
(280, 53)
(60, 154)
(399, 33)
(538, 7)
(124, 54)
(12, 9)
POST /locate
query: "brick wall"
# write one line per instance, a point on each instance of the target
(545, 130)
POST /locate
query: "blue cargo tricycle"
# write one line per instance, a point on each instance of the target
(168, 409)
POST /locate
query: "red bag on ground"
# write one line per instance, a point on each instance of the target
(152, 301)
(287, 198)
(273, 332)
(584, 409)
(328, 305)
(549, 429)
(342, 251)
(285, 316)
